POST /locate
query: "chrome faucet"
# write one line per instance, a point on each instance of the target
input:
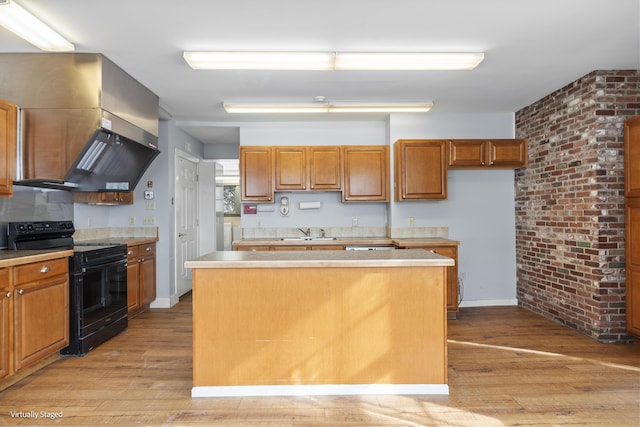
(307, 232)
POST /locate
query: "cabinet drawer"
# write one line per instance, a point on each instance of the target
(144, 250)
(40, 270)
(133, 252)
(444, 251)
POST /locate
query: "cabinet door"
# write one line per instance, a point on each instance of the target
(421, 170)
(632, 157)
(41, 313)
(256, 174)
(147, 274)
(8, 128)
(291, 168)
(452, 277)
(467, 153)
(633, 265)
(324, 168)
(133, 280)
(507, 153)
(366, 174)
(5, 322)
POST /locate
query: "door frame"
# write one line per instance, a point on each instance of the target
(179, 154)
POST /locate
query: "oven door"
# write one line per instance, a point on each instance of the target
(103, 294)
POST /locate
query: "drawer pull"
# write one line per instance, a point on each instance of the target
(45, 269)
(8, 295)
(149, 247)
(21, 292)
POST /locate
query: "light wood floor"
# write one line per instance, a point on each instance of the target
(507, 367)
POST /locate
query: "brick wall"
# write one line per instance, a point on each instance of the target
(570, 204)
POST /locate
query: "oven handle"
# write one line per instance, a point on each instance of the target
(117, 263)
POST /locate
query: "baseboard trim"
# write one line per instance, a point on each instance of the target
(489, 303)
(320, 390)
(165, 302)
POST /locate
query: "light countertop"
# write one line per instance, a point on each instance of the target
(348, 241)
(10, 258)
(309, 259)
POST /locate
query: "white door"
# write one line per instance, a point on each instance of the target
(186, 205)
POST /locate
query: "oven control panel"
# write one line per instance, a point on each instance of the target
(40, 228)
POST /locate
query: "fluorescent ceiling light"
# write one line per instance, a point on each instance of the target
(407, 61)
(259, 60)
(336, 107)
(17, 20)
(327, 61)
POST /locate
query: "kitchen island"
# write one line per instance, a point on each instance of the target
(319, 322)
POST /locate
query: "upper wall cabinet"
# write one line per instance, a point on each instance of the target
(291, 168)
(420, 170)
(256, 174)
(480, 153)
(325, 164)
(366, 174)
(8, 128)
(307, 168)
(632, 157)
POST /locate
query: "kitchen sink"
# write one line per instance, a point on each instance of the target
(308, 238)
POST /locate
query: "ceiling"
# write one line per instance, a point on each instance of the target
(531, 49)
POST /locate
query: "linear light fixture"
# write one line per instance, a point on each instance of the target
(327, 61)
(335, 107)
(22, 23)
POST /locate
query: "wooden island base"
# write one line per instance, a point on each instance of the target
(319, 331)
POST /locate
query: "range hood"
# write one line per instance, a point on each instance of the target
(85, 124)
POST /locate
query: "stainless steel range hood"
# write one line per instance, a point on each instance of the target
(86, 125)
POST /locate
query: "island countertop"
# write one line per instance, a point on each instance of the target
(311, 259)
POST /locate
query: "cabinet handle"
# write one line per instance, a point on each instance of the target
(21, 292)
(148, 248)
(44, 269)
(129, 252)
(8, 295)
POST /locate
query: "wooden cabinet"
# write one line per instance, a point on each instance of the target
(141, 276)
(420, 170)
(366, 174)
(480, 153)
(41, 310)
(133, 280)
(450, 251)
(8, 129)
(104, 198)
(256, 174)
(632, 222)
(291, 168)
(147, 273)
(6, 295)
(325, 168)
(307, 168)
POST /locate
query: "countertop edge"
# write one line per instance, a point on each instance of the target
(373, 241)
(14, 258)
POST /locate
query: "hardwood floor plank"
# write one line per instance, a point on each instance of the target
(507, 367)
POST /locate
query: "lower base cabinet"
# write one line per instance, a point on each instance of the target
(34, 310)
(141, 276)
(452, 275)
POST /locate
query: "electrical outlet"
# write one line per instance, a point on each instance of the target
(151, 205)
(89, 220)
(132, 220)
(149, 220)
(354, 222)
(411, 221)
